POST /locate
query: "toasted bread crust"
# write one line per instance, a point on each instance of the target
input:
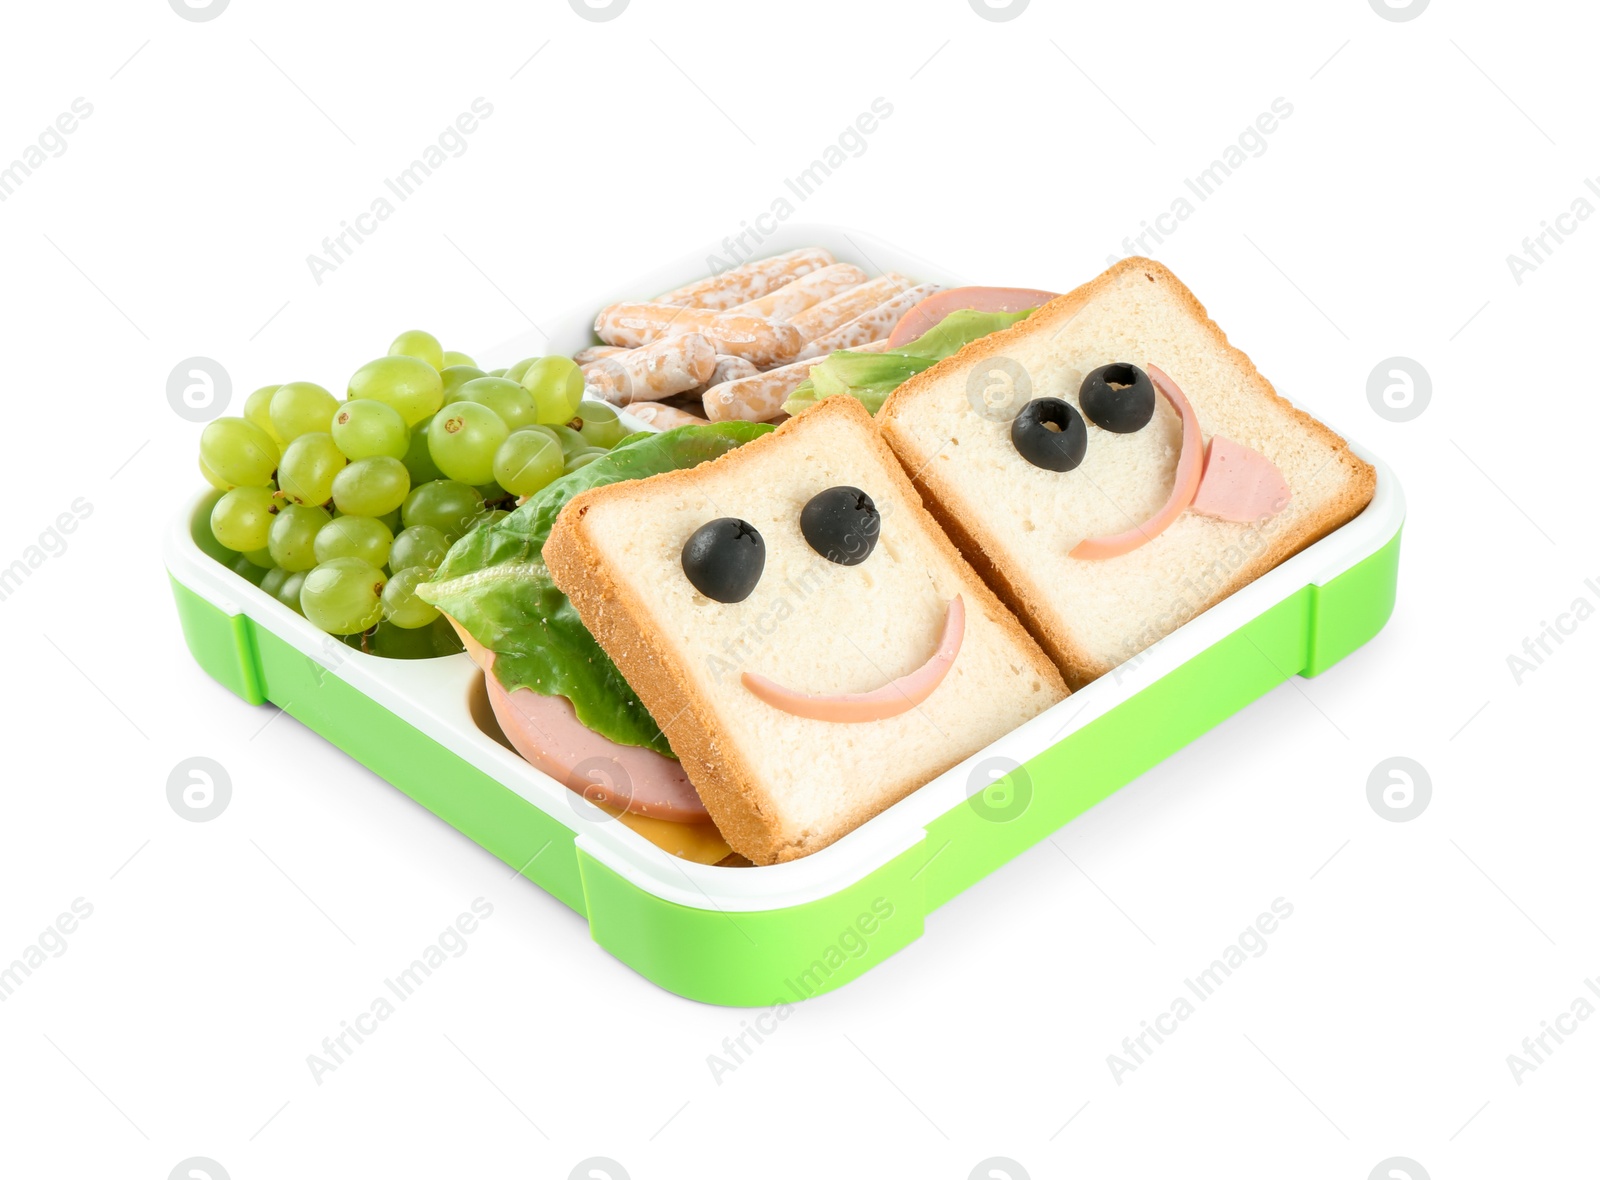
(620, 623)
(615, 618)
(1016, 586)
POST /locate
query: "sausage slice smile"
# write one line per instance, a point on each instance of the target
(898, 696)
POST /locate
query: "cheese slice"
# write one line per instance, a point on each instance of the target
(700, 843)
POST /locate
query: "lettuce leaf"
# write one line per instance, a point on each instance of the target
(494, 583)
(870, 377)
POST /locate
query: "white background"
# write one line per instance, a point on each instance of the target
(1377, 223)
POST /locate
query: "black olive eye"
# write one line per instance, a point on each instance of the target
(841, 524)
(1049, 433)
(1118, 398)
(723, 559)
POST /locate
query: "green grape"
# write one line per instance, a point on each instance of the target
(209, 545)
(288, 592)
(419, 344)
(445, 640)
(261, 558)
(360, 537)
(437, 638)
(454, 377)
(257, 409)
(248, 570)
(301, 407)
(238, 453)
(601, 426)
(272, 583)
(399, 643)
(401, 606)
(582, 459)
(496, 373)
(391, 520)
(242, 519)
(421, 545)
(371, 487)
(556, 384)
(527, 461)
(444, 504)
(309, 464)
(366, 428)
(292, 538)
(570, 440)
(463, 440)
(419, 462)
(506, 398)
(212, 478)
(343, 595)
(515, 372)
(548, 431)
(453, 359)
(404, 383)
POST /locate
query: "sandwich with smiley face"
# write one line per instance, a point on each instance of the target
(1114, 467)
(806, 636)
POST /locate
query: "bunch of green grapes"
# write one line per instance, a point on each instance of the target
(340, 509)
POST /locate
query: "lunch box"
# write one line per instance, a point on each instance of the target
(755, 936)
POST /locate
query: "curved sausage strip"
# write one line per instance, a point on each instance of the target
(870, 326)
(747, 282)
(891, 700)
(759, 341)
(791, 299)
(653, 372)
(833, 313)
(1185, 482)
(930, 311)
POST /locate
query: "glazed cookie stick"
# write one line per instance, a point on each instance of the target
(847, 305)
(791, 299)
(648, 374)
(761, 397)
(747, 282)
(760, 341)
(869, 326)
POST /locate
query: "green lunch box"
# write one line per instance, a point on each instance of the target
(756, 936)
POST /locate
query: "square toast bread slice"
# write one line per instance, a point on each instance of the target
(780, 786)
(1017, 523)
